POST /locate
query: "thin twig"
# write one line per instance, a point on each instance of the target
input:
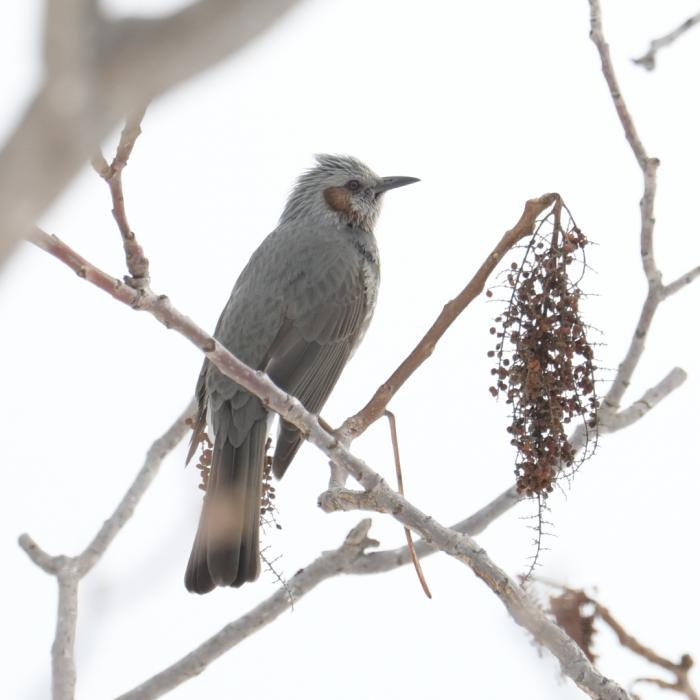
(399, 480)
(645, 403)
(623, 113)
(648, 60)
(681, 282)
(576, 599)
(157, 452)
(136, 261)
(681, 668)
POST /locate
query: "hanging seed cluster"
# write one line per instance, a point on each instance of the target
(267, 506)
(544, 362)
(204, 448)
(267, 496)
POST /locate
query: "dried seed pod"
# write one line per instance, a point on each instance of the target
(544, 360)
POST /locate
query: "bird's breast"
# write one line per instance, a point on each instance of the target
(369, 276)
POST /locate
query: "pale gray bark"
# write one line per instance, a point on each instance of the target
(70, 570)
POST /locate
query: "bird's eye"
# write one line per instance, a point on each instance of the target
(353, 185)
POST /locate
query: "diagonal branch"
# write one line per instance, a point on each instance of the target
(136, 260)
(364, 563)
(374, 409)
(656, 291)
(648, 60)
(683, 281)
(679, 669)
(326, 566)
(573, 662)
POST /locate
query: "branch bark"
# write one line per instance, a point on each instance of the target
(70, 570)
(326, 566)
(656, 291)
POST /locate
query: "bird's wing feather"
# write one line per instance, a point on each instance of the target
(296, 311)
(308, 357)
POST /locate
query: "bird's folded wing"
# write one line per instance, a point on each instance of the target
(298, 322)
(307, 359)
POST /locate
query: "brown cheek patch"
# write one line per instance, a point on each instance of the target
(338, 199)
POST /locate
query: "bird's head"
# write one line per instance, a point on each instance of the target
(343, 190)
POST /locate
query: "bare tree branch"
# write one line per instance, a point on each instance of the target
(377, 495)
(363, 563)
(97, 71)
(656, 291)
(326, 566)
(569, 610)
(648, 60)
(136, 261)
(573, 662)
(70, 570)
(680, 669)
(682, 281)
(642, 406)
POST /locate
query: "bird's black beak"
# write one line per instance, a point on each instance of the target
(390, 183)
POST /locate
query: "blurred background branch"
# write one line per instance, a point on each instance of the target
(96, 71)
(648, 60)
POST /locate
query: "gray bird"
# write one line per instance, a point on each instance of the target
(298, 311)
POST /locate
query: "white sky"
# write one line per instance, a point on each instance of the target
(489, 104)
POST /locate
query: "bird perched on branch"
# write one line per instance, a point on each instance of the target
(298, 311)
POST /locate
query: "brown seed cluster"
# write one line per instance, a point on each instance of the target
(268, 511)
(268, 490)
(267, 496)
(544, 361)
(204, 447)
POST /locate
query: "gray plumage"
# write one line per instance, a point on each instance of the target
(298, 311)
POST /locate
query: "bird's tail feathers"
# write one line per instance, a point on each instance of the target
(226, 547)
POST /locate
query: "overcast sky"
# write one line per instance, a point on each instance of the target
(489, 104)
